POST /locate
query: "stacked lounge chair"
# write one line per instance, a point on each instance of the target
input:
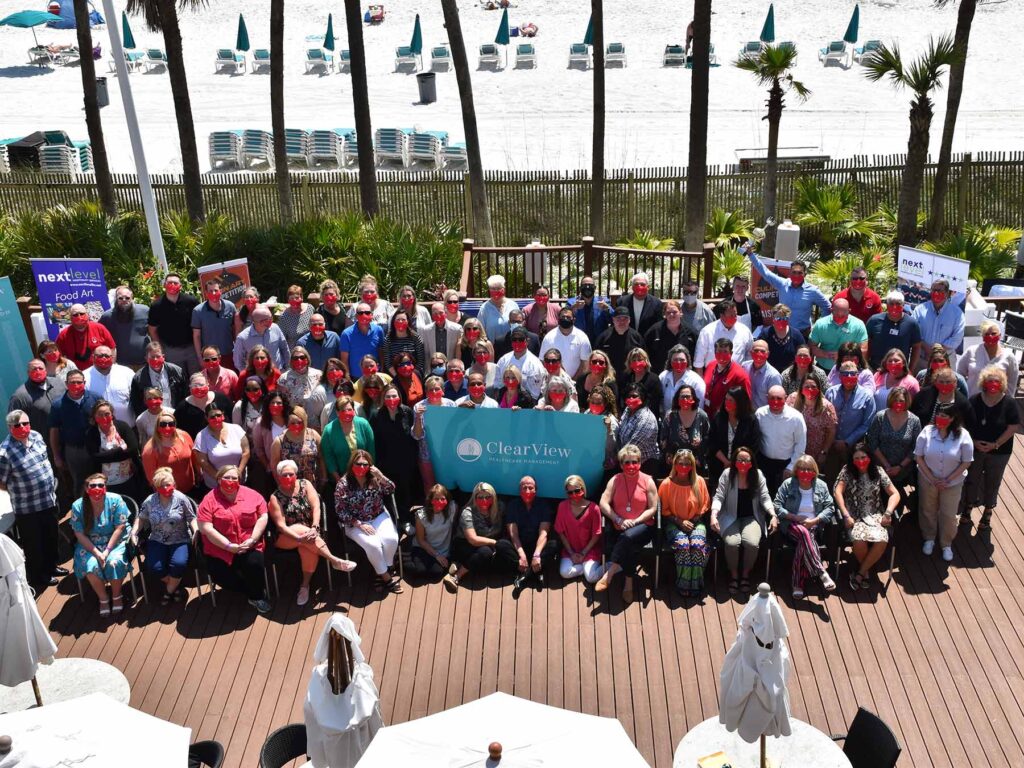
(257, 146)
(226, 149)
(428, 147)
(391, 144)
(455, 155)
(296, 145)
(328, 146)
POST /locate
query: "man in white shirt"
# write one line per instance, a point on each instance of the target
(111, 382)
(726, 327)
(783, 438)
(570, 341)
(529, 365)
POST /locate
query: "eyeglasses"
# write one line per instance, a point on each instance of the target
(299, 357)
(97, 485)
(574, 491)
(165, 424)
(211, 359)
(23, 424)
(848, 374)
(552, 361)
(364, 312)
(482, 496)
(102, 356)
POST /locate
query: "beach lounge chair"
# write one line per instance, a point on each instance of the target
(404, 57)
(5, 164)
(455, 155)
(345, 60)
(674, 56)
(257, 146)
(615, 53)
(428, 147)
(133, 59)
(59, 158)
(526, 56)
(351, 150)
(317, 58)
(391, 144)
(869, 47)
(40, 55)
(154, 59)
(751, 50)
(440, 58)
(489, 56)
(67, 55)
(836, 51)
(225, 149)
(579, 55)
(84, 149)
(230, 61)
(260, 60)
(296, 145)
(328, 146)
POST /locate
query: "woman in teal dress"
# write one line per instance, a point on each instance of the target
(100, 522)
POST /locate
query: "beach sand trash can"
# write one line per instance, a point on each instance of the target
(428, 88)
(102, 95)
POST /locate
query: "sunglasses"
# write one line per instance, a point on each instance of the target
(102, 357)
(482, 496)
(23, 424)
(451, 303)
(360, 464)
(574, 491)
(97, 485)
(629, 462)
(165, 424)
(598, 364)
(364, 312)
(299, 357)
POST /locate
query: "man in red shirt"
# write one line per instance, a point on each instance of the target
(721, 376)
(863, 301)
(78, 340)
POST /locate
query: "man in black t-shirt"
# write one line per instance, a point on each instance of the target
(170, 323)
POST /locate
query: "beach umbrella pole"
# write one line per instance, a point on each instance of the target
(141, 171)
(35, 690)
(764, 752)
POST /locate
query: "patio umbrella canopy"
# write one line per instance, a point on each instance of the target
(768, 30)
(329, 37)
(242, 41)
(502, 36)
(416, 44)
(853, 28)
(127, 38)
(24, 641)
(29, 20)
(588, 38)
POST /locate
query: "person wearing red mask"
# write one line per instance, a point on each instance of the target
(477, 396)
(434, 389)
(419, 317)
(114, 449)
(795, 292)
(396, 448)
(640, 374)
(145, 424)
(529, 521)
(37, 395)
(170, 323)
(380, 309)
(259, 363)
(232, 520)
(57, 365)
(557, 397)
(763, 375)
(831, 332)
(638, 426)
(213, 324)
(494, 314)
(891, 439)
(331, 309)
(294, 320)
(100, 521)
(819, 417)
(990, 352)
(783, 437)
(247, 411)
(402, 338)
(262, 332)
(684, 503)
(301, 445)
(941, 319)
(69, 420)
(220, 379)
(243, 317)
(944, 452)
(111, 381)
(321, 343)
(170, 447)
(942, 390)
(157, 372)
(441, 334)
(782, 338)
(359, 503)
(26, 474)
(867, 500)
(272, 424)
(578, 526)
(79, 340)
(864, 302)
(220, 444)
(728, 328)
(479, 545)
(541, 315)
(993, 420)
(301, 383)
(893, 372)
(644, 307)
(733, 425)
(721, 375)
(363, 338)
(170, 517)
(336, 437)
(937, 359)
(805, 507)
(191, 412)
(893, 328)
(431, 549)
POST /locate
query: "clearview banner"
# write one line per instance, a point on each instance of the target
(499, 446)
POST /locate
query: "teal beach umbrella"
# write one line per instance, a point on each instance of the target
(768, 30)
(329, 37)
(416, 44)
(502, 37)
(854, 26)
(588, 39)
(242, 41)
(127, 38)
(28, 20)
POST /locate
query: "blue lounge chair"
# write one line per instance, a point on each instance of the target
(674, 56)
(260, 60)
(440, 58)
(428, 146)
(230, 60)
(225, 149)
(579, 54)
(317, 58)
(489, 56)
(404, 57)
(865, 51)
(615, 53)
(526, 56)
(836, 51)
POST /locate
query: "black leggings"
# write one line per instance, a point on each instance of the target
(502, 557)
(623, 547)
(245, 574)
(38, 533)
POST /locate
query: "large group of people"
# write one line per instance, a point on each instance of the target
(194, 426)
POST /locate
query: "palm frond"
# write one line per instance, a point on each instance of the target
(883, 63)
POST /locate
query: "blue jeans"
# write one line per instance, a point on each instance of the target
(166, 559)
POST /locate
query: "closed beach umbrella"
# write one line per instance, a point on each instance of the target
(588, 39)
(329, 37)
(127, 38)
(502, 36)
(416, 44)
(242, 42)
(31, 20)
(768, 30)
(854, 26)
(24, 641)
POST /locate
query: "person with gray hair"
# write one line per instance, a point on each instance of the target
(264, 332)
(494, 313)
(893, 329)
(644, 308)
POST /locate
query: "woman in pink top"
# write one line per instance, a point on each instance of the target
(895, 372)
(629, 502)
(578, 525)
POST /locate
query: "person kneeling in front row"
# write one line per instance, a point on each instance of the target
(529, 528)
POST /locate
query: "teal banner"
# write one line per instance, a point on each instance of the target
(500, 446)
(14, 347)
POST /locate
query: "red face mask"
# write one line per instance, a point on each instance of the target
(542, 300)
(372, 392)
(438, 504)
(211, 365)
(347, 416)
(512, 384)
(898, 406)
(862, 464)
(638, 366)
(392, 402)
(317, 330)
(53, 356)
(743, 465)
(401, 324)
(299, 365)
(495, 294)
(631, 469)
(992, 386)
(803, 361)
(596, 408)
(722, 357)
(839, 319)
(253, 396)
(945, 387)
(528, 494)
(729, 321)
(633, 403)
(776, 404)
(172, 289)
(485, 504)
(154, 404)
(640, 291)
(200, 393)
(360, 471)
(455, 378)
(334, 376)
(895, 367)
(213, 296)
(481, 357)
(943, 422)
(686, 402)
(938, 297)
(759, 356)
(552, 366)
(810, 393)
(296, 429)
(252, 301)
(519, 347)
(781, 327)
(76, 388)
(937, 365)
(276, 409)
(990, 339)
(229, 487)
(797, 279)
(730, 405)
(329, 299)
(287, 481)
(895, 313)
(476, 390)
(683, 470)
(556, 398)
(806, 476)
(37, 375)
(21, 432)
(166, 490)
(679, 366)
(156, 362)
(96, 494)
(166, 431)
(216, 422)
(598, 365)
(407, 302)
(295, 302)
(80, 321)
(104, 422)
(440, 320)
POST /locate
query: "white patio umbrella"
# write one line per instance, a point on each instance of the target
(339, 727)
(24, 641)
(530, 734)
(754, 700)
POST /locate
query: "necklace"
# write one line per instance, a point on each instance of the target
(629, 494)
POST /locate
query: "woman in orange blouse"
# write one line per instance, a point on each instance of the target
(170, 447)
(684, 502)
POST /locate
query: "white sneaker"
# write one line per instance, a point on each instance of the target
(826, 582)
(928, 548)
(303, 597)
(947, 554)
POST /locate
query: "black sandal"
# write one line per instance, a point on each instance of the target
(734, 586)
(395, 586)
(985, 523)
(745, 586)
(165, 598)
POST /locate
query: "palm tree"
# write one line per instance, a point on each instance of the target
(361, 107)
(922, 77)
(284, 187)
(697, 158)
(104, 182)
(162, 16)
(830, 212)
(771, 67)
(478, 192)
(597, 170)
(964, 19)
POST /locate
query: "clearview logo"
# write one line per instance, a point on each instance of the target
(471, 450)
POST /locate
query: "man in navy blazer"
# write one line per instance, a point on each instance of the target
(644, 308)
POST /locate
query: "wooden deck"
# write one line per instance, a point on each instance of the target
(940, 656)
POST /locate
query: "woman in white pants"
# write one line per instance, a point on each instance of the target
(359, 504)
(944, 452)
(578, 525)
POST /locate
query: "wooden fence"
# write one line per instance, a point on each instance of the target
(551, 206)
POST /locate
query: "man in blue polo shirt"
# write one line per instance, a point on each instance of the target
(893, 329)
(69, 419)
(794, 292)
(213, 323)
(363, 338)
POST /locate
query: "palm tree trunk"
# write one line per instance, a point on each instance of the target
(913, 172)
(284, 187)
(697, 158)
(481, 230)
(597, 170)
(101, 167)
(361, 107)
(182, 110)
(771, 168)
(965, 17)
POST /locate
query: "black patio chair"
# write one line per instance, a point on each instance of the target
(870, 743)
(206, 754)
(283, 745)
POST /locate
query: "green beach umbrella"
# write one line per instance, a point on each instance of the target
(127, 38)
(768, 30)
(853, 28)
(416, 44)
(329, 37)
(28, 20)
(502, 37)
(242, 41)
(588, 39)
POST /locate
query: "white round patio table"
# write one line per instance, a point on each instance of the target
(67, 679)
(806, 747)
(6, 512)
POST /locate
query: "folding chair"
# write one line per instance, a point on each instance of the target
(193, 559)
(129, 553)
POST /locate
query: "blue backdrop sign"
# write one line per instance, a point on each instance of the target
(499, 446)
(14, 346)
(63, 282)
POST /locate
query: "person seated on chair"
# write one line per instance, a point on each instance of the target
(434, 527)
(478, 545)
(294, 510)
(804, 504)
(170, 516)
(629, 502)
(684, 501)
(529, 522)
(742, 513)
(578, 525)
(100, 522)
(867, 500)
(359, 503)
(232, 520)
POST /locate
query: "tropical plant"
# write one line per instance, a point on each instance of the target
(482, 231)
(961, 37)
(93, 123)
(724, 228)
(597, 138)
(834, 274)
(284, 186)
(697, 157)
(920, 76)
(729, 262)
(361, 108)
(771, 68)
(991, 250)
(830, 212)
(645, 240)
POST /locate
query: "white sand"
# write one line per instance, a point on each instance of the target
(540, 119)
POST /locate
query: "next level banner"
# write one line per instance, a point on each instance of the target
(63, 282)
(499, 446)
